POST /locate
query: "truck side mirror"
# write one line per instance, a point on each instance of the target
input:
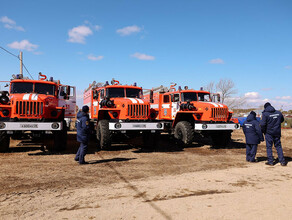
(68, 90)
(151, 96)
(102, 94)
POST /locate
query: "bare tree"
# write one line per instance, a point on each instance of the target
(210, 87)
(235, 102)
(226, 88)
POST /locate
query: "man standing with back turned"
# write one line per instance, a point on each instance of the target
(83, 134)
(271, 127)
(253, 136)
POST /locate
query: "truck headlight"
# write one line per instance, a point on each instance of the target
(204, 126)
(5, 112)
(118, 125)
(55, 125)
(2, 125)
(4, 100)
(115, 114)
(236, 126)
(159, 125)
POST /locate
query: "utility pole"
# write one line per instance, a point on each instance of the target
(21, 68)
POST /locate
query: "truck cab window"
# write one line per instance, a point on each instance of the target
(189, 96)
(134, 93)
(72, 91)
(22, 87)
(166, 99)
(175, 97)
(204, 97)
(43, 88)
(115, 92)
(62, 91)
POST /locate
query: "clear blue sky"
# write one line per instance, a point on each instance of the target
(155, 42)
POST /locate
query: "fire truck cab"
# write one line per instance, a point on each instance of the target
(119, 109)
(37, 108)
(190, 112)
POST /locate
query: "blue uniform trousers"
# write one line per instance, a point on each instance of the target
(81, 153)
(270, 140)
(251, 151)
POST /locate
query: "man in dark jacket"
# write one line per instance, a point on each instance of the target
(271, 127)
(83, 134)
(253, 136)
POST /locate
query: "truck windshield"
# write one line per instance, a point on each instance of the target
(115, 92)
(189, 96)
(134, 93)
(204, 97)
(21, 87)
(42, 88)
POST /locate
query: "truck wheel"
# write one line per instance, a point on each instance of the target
(150, 141)
(184, 132)
(103, 134)
(49, 142)
(4, 141)
(61, 138)
(57, 141)
(221, 139)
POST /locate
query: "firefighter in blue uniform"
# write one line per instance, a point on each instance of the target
(83, 134)
(271, 127)
(253, 136)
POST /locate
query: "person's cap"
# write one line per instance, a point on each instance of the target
(267, 104)
(85, 108)
(253, 113)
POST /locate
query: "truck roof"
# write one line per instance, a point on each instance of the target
(196, 91)
(120, 86)
(189, 90)
(34, 81)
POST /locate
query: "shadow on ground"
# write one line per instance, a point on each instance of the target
(260, 159)
(157, 143)
(117, 159)
(234, 144)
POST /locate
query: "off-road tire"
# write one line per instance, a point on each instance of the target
(103, 134)
(58, 141)
(150, 141)
(184, 133)
(221, 139)
(61, 138)
(4, 142)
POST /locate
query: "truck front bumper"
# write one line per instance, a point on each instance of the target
(31, 126)
(216, 127)
(135, 126)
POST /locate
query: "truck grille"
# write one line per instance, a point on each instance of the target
(136, 110)
(27, 108)
(219, 113)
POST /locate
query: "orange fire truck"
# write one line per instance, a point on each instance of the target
(36, 108)
(119, 109)
(191, 113)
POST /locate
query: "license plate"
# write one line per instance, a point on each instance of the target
(28, 125)
(221, 126)
(139, 126)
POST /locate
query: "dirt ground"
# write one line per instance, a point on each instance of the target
(197, 182)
